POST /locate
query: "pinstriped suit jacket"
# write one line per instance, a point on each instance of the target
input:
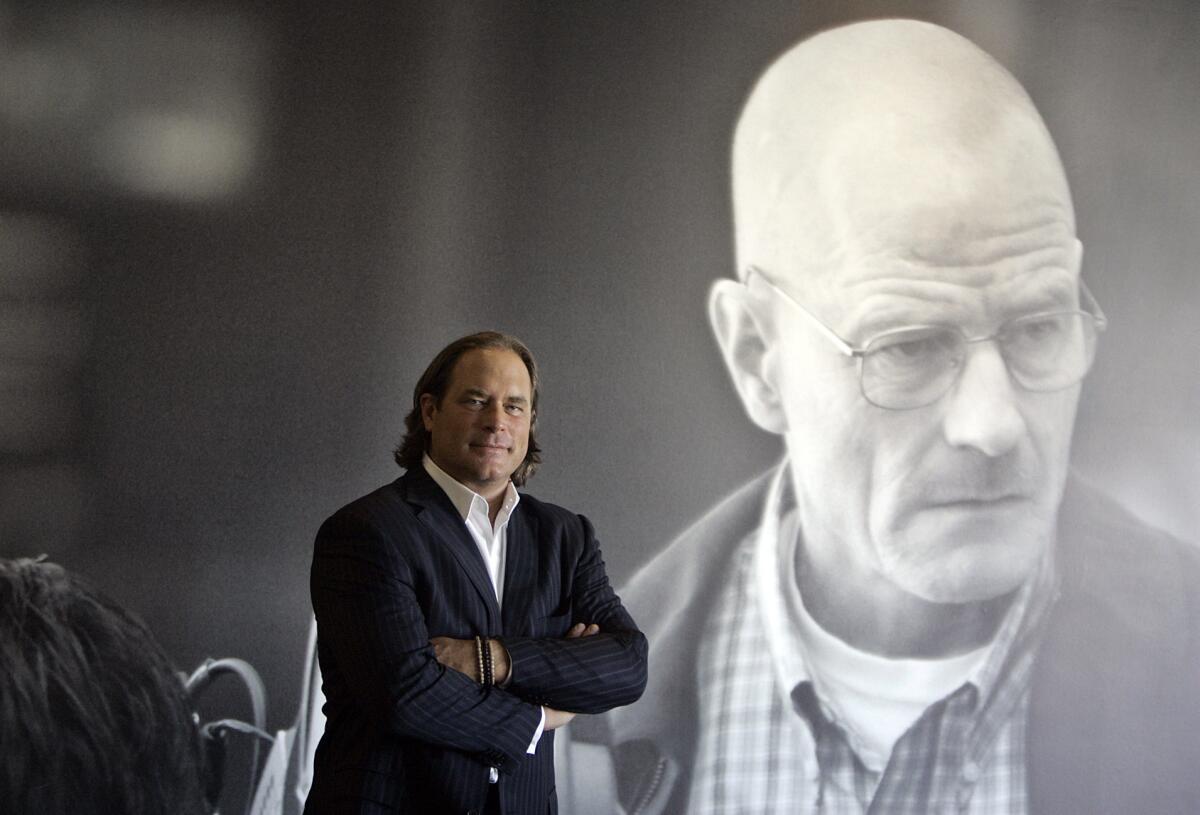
(405, 734)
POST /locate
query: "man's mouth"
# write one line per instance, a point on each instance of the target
(978, 501)
(490, 446)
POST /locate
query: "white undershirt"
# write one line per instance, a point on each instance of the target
(492, 540)
(875, 699)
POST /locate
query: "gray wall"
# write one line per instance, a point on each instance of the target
(557, 170)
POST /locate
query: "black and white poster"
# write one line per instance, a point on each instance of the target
(232, 236)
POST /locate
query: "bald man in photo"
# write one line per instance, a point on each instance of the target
(920, 610)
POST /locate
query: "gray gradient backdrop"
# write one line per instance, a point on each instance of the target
(559, 171)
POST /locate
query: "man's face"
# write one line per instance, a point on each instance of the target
(957, 500)
(479, 433)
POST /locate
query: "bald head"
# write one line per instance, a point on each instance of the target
(886, 129)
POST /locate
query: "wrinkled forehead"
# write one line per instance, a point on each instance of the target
(893, 138)
(938, 209)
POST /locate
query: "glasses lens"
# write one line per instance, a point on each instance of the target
(1047, 352)
(911, 367)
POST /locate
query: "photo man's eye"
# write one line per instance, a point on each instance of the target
(911, 349)
(1042, 329)
(916, 347)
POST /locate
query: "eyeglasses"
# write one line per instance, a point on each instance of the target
(914, 366)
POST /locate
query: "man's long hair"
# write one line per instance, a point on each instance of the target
(436, 379)
(93, 719)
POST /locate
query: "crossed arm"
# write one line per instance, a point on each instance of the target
(461, 656)
(377, 650)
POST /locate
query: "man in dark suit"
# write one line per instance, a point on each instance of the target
(459, 622)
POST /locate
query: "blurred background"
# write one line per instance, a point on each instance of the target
(232, 235)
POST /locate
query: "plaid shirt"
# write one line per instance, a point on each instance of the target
(769, 745)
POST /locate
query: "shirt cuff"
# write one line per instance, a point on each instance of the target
(537, 734)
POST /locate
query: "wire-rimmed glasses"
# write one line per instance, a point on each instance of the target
(914, 366)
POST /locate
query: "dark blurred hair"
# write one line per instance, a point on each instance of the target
(436, 379)
(93, 719)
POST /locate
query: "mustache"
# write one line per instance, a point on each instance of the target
(975, 479)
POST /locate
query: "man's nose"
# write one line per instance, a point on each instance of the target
(495, 417)
(982, 412)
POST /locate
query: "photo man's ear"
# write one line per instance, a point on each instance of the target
(745, 341)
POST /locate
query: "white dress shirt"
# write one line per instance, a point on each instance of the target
(492, 540)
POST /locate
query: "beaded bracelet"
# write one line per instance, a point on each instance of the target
(489, 669)
(479, 659)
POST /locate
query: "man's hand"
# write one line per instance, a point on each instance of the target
(461, 656)
(556, 718)
(457, 654)
(581, 630)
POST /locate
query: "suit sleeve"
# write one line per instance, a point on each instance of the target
(588, 674)
(372, 628)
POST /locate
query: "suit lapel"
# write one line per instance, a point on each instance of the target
(520, 571)
(434, 509)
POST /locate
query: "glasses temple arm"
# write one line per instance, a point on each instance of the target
(846, 348)
(1090, 304)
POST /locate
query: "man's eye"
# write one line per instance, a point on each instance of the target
(909, 349)
(1042, 329)
(516, 410)
(916, 347)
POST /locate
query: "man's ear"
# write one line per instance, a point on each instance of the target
(745, 345)
(428, 405)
